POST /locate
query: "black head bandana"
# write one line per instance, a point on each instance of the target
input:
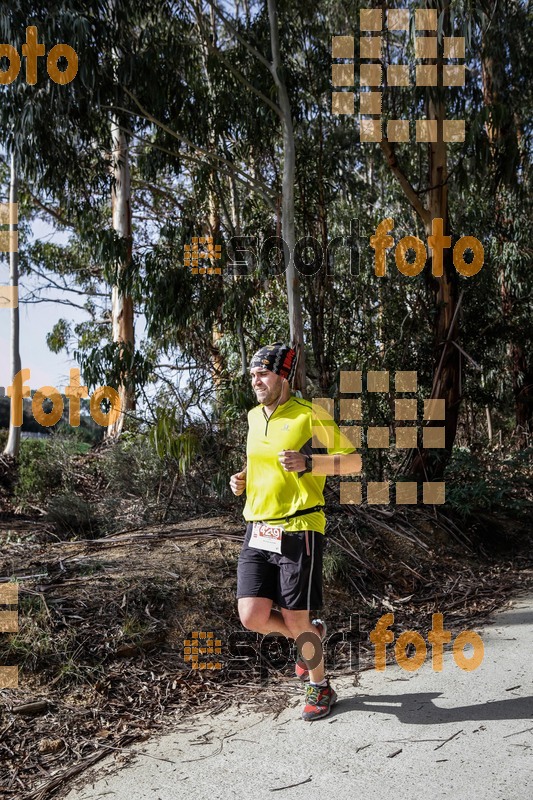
(278, 358)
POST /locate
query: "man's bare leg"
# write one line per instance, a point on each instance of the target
(257, 614)
(298, 622)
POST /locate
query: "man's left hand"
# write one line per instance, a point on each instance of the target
(292, 460)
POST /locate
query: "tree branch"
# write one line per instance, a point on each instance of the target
(185, 368)
(251, 49)
(50, 300)
(240, 77)
(231, 169)
(404, 182)
(249, 181)
(91, 292)
(165, 191)
(53, 213)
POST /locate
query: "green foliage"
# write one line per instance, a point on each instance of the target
(132, 467)
(111, 363)
(222, 169)
(171, 440)
(45, 466)
(57, 338)
(33, 641)
(236, 399)
(490, 482)
(39, 473)
(335, 563)
(82, 436)
(41, 646)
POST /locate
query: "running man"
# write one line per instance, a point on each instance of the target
(281, 558)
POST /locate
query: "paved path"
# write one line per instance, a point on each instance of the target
(424, 734)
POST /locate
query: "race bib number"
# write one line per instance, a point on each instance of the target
(265, 537)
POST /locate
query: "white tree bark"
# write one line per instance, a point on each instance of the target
(122, 305)
(13, 442)
(287, 202)
(217, 332)
(236, 222)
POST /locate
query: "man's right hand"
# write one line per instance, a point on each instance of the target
(237, 483)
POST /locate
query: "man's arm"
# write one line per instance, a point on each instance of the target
(344, 464)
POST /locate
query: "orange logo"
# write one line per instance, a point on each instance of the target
(9, 595)
(192, 255)
(381, 636)
(437, 243)
(202, 643)
(31, 51)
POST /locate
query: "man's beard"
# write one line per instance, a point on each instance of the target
(270, 397)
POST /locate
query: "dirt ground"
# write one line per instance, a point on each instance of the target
(103, 625)
(445, 734)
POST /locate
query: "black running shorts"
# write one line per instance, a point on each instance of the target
(292, 579)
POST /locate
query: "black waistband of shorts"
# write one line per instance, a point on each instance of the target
(299, 513)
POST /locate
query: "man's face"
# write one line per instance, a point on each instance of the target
(266, 385)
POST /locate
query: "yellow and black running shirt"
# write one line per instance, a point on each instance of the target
(272, 493)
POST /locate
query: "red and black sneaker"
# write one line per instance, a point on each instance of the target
(300, 668)
(318, 701)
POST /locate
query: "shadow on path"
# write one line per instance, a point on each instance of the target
(419, 708)
(510, 618)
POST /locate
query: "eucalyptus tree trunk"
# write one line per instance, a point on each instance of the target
(287, 202)
(447, 365)
(217, 330)
(122, 305)
(13, 441)
(218, 369)
(447, 369)
(236, 222)
(319, 296)
(447, 372)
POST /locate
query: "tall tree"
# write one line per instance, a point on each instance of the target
(13, 441)
(207, 28)
(122, 302)
(447, 364)
(287, 194)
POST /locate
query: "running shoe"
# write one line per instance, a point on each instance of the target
(318, 701)
(300, 668)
